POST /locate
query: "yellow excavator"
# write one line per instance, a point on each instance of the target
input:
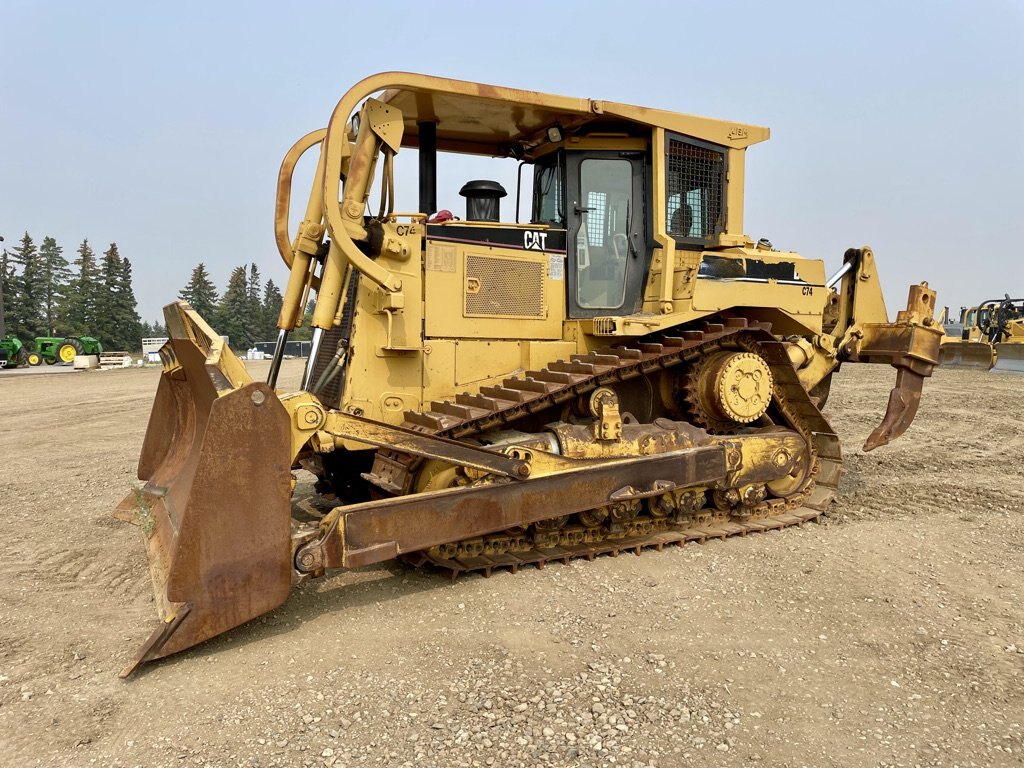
(990, 335)
(618, 368)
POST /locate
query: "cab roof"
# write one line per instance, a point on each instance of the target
(481, 119)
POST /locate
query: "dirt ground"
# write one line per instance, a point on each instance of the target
(890, 635)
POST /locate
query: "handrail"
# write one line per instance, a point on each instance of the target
(284, 192)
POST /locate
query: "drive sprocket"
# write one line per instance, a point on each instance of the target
(727, 389)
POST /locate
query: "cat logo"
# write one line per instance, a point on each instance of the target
(533, 240)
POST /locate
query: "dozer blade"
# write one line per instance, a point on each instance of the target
(216, 506)
(967, 354)
(1010, 357)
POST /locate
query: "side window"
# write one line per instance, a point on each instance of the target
(695, 189)
(548, 197)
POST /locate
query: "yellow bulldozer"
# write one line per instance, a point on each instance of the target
(990, 335)
(620, 368)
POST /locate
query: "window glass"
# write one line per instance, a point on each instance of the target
(548, 207)
(602, 241)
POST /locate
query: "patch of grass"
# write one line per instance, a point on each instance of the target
(144, 513)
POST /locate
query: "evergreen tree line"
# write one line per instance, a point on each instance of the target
(45, 295)
(245, 313)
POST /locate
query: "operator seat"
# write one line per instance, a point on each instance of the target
(682, 221)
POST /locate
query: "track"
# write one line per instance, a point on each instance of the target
(550, 388)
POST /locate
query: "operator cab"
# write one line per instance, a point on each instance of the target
(595, 205)
(604, 200)
(612, 184)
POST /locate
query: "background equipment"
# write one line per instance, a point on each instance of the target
(991, 335)
(13, 353)
(64, 349)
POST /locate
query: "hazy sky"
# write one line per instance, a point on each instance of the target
(161, 126)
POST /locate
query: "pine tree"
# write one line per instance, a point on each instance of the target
(116, 319)
(154, 330)
(27, 299)
(257, 317)
(233, 315)
(254, 286)
(78, 309)
(305, 331)
(272, 301)
(6, 295)
(201, 293)
(104, 325)
(54, 277)
(129, 331)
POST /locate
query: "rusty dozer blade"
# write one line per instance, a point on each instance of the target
(216, 506)
(967, 354)
(1010, 356)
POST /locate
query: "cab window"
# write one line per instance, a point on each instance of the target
(548, 195)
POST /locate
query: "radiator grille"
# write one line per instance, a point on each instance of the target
(695, 185)
(498, 287)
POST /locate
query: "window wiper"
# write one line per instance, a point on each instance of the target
(559, 188)
(629, 223)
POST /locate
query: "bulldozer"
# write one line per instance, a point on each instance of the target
(616, 369)
(991, 336)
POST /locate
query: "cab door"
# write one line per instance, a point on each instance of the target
(608, 248)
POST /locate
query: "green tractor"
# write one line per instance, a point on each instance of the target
(58, 349)
(13, 353)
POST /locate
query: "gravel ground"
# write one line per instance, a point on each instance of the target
(892, 634)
